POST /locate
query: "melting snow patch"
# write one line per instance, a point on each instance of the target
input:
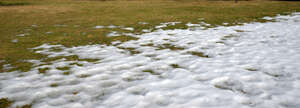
(225, 23)
(60, 25)
(98, 27)
(146, 30)
(128, 28)
(34, 26)
(112, 26)
(113, 33)
(192, 25)
(162, 25)
(268, 18)
(236, 69)
(21, 35)
(48, 32)
(144, 23)
(14, 41)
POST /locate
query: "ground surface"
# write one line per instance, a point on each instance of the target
(25, 24)
(251, 65)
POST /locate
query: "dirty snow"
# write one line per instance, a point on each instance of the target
(14, 40)
(255, 65)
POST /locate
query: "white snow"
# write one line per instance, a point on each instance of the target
(143, 23)
(21, 35)
(48, 32)
(113, 33)
(255, 65)
(60, 25)
(128, 28)
(98, 27)
(162, 25)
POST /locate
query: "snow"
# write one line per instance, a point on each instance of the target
(97, 27)
(110, 27)
(112, 34)
(254, 65)
(14, 40)
(143, 23)
(48, 32)
(21, 35)
(162, 25)
(129, 28)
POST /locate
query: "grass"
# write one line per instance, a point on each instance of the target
(199, 54)
(43, 70)
(13, 3)
(175, 66)
(54, 85)
(228, 37)
(83, 75)
(66, 73)
(132, 51)
(251, 69)
(151, 72)
(169, 46)
(71, 22)
(5, 103)
(63, 68)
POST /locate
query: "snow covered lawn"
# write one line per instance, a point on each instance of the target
(253, 65)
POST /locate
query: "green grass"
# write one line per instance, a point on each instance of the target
(80, 16)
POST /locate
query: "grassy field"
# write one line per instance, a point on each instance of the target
(72, 22)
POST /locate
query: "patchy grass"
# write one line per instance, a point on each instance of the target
(69, 58)
(13, 3)
(132, 51)
(66, 73)
(63, 68)
(83, 75)
(199, 54)
(26, 106)
(151, 72)
(54, 85)
(5, 103)
(229, 37)
(169, 46)
(43, 70)
(72, 22)
(175, 66)
(251, 69)
(76, 64)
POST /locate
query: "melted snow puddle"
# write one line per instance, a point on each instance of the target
(253, 65)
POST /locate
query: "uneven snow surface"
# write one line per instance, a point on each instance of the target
(255, 65)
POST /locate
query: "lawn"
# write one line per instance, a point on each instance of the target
(25, 24)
